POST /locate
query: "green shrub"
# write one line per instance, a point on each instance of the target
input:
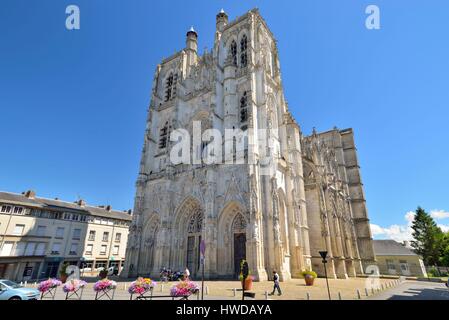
(311, 273)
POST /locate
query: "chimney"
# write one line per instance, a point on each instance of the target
(108, 208)
(81, 202)
(30, 194)
(130, 212)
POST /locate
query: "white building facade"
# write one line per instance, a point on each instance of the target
(290, 196)
(39, 235)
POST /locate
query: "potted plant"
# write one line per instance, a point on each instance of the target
(63, 273)
(309, 277)
(184, 289)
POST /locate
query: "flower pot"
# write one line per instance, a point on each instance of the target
(63, 278)
(309, 280)
(248, 283)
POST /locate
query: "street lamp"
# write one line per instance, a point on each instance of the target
(323, 255)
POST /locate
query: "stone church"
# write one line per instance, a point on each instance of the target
(278, 211)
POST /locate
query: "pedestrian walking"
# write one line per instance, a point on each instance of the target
(276, 284)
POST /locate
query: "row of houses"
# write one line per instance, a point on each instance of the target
(39, 235)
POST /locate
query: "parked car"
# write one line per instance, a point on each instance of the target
(10, 290)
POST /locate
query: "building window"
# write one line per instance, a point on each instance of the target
(234, 53)
(92, 235)
(66, 216)
(6, 209)
(20, 249)
(31, 246)
(19, 210)
(100, 265)
(56, 248)
(83, 218)
(89, 249)
(170, 87)
(40, 249)
(118, 237)
(59, 232)
(18, 229)
(115, 250)
(76, 234)
(243, 52)
(105, 236)
(103, 250)
(41, 231)
(390, 264)
(75, 217)
(7, 248)
(163, 136)
(73, 249)
(244, 108)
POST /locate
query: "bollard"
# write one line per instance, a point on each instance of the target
(366, 292)
(266, 295)
(358, 294)
(26, 283)
(235, 291)
(308, 295)
(382, 287)
(207, 290)
(372, 291)
(162, 287)
(339, 295)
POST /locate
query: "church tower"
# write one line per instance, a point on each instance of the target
(251, 201)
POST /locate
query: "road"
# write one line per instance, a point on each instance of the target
(415, 290)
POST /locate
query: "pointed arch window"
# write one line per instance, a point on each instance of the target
(170, 87)
(163, 136)
(234, 53)
(244, 51)
(244, 108)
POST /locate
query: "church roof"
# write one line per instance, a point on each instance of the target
(391, 248)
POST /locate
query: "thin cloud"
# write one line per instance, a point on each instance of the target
(439, 214)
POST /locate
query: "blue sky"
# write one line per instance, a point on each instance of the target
(73, 103)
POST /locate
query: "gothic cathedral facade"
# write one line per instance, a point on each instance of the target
(276, 214)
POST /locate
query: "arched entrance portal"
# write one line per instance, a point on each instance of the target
(186, 237)
(232, 235)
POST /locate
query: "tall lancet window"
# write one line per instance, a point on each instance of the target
(163, 136)
(244, 51)
(244, 108)
(234, 53)
(170, 87)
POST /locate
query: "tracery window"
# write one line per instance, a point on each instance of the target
(195, 224)
(170, 87)
(239, 224)
(163, 136)
(244, 108)
(243, 51)
(234, 53)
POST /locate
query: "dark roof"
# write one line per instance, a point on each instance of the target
(58, 205)
(391, 248)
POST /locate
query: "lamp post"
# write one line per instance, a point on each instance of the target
(323, 255)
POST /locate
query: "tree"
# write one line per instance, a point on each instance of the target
(428, 238)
